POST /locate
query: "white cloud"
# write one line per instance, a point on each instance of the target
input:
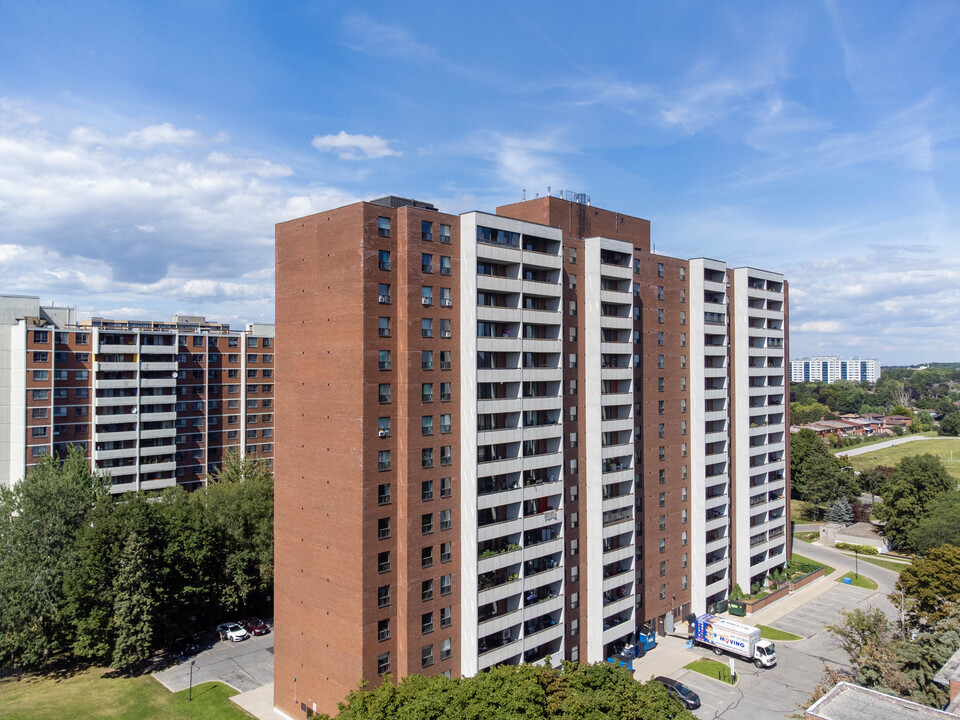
(354, 147)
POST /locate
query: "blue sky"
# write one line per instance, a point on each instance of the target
(147, 149)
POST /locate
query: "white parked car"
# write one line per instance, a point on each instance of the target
(232, 631)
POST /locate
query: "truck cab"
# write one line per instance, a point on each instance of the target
(765, 654)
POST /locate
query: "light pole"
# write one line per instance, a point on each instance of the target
(190, 693)
(856, 564)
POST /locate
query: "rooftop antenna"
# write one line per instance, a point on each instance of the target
(524, 194)
(548, 190)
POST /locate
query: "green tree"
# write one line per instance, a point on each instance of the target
(815, 472)
(857, 628)
(803, 414)
(840, 512)
(135, 603)
(575, 692)
(940, 526)
(931, 585)
(917, 483)
(39, 520)
(950, 425)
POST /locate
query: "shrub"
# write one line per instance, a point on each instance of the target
(862, 549)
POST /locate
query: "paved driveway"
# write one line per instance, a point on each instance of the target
(244, 665)
(778, 692)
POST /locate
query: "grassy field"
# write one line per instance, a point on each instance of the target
(891, 456)
(877, 440)
(88, 694)
(769, 633)
(881, 562)
(711, 668)
(859, 581)
(800, 558)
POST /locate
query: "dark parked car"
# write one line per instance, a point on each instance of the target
(255, 626)
(688, 697)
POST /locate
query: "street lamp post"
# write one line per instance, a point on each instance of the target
(190, 693)
(856, 564)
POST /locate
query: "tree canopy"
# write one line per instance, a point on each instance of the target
(815, 472)
(931, 585)
(574, 692)
(918, 482)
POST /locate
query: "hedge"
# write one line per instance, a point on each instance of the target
(862, 549)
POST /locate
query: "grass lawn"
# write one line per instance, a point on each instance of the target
(88, 694)
(877, 440)
(860, 581)
(769, 633)
(881, 562)
(711, 668)
(807, 537)
(800, 558)
(892, 455)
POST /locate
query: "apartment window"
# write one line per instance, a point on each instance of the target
(572, 411)
(426, 392)
(446, 456)
(683, 472)
(426, 490)
(445, 234)
(683, 317)
(574, 600)
(574, 547)
(572, 282)
(231, 373)
(426, 458)
(446, 649)
(663, 545)
(636, 313)
(446, 549)
(426, 590)
(572, 465)
(250, 374)
(663, 523)
(383, 528)
(574, 573)
(426, 623)
(445, 328)
(383, 327)
(40, 375)
(383, 293)
(426, 295)
(572, 360)
(573, 493)
(660, 404)
(683, 517)
(445, 298)
(446, 584)
(636, 265)
(683, 582)
(426, 327)
(683, 427)
(683, 339)
(383, 494)
(384, 359)
(683, 449)
(660, 362)
(661, 430)
(59, 374)
(660, 315)
(426, 231)
(231, 342)
(572, 333)
(38, 451)
(662, 452)
(572, 307)
(383, 460)
(38, 432)
(683, 538)
(572, 439)
(663, 568)
(41, 337)
(572, 388)
(383, 596)
(572, 255)
(660, 384)
(660, 293)
(426, 359)
(384, 393)
(683, 405)
(446, 359)
(663, 592)
(446, 521)
(383, 630)
(683, 362)
(446, 487)
(446, 616)
(445, 425)
(660, 338)
(426, 557)
(383, 227)
(444, 265)
(683, 493)
(683, 273)
(662, 475)
(659, 269)
(636, 289)
(43, 357)
(40, 394)
(426, 425)
(39, 413)
(383, 664)
(426, 262)
(574, 627)
(426, 656)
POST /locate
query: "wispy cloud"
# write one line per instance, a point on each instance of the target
(354, 147)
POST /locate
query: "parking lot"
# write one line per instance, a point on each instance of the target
(778, 692)
(242, 665)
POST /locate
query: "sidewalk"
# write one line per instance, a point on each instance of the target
(670, 655)
(258, 702)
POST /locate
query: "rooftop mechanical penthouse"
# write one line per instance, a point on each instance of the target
(513, 435)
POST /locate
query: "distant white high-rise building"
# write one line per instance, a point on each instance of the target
(829, 369)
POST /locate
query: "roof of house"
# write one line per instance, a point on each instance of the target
(861, 529)
(950, 671)
(846, 701)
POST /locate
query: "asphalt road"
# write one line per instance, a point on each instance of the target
(886, 444)
(244, 665)
(776, 693)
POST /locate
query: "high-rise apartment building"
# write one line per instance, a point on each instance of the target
(153, 404)
(512, 436)
(829, 369)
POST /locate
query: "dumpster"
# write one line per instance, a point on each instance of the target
(721, 606)
(647, 640)
(737, 608)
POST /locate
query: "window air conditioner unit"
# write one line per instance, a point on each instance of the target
(384, 433)
(506, 636)
(384, 299)
(445, 334)
(446, 303)
(426, 301)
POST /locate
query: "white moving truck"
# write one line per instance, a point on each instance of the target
(723, 635)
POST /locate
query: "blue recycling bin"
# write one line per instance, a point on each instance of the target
(848, 581)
